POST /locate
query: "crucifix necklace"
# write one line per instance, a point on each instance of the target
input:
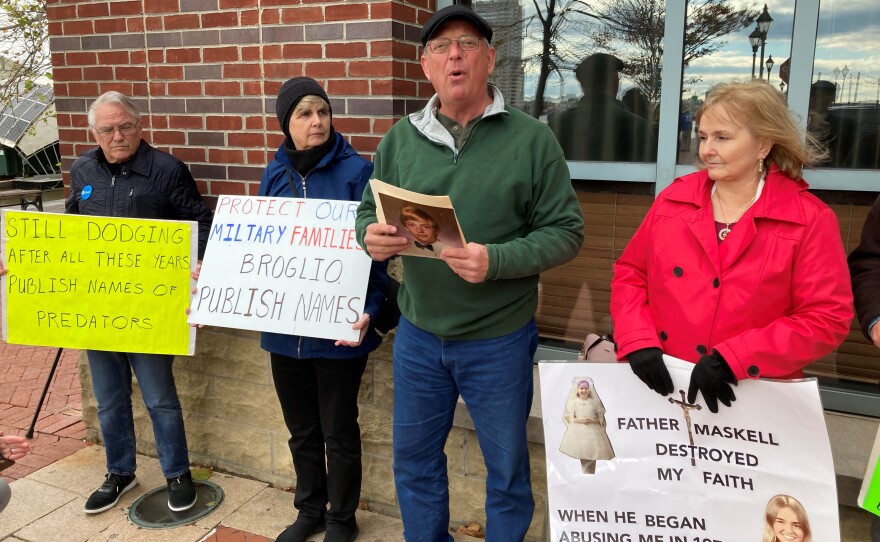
(725, 231)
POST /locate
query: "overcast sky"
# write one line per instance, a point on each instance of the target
(848, 35)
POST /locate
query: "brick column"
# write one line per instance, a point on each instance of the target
(205, 73)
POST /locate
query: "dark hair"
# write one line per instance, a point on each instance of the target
(597, 70)
(635, 102)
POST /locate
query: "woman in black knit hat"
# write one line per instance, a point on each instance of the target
(317, 380)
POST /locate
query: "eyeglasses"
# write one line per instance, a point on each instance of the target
(440, 46)
(126, 129)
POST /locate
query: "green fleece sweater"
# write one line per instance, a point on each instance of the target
(511, 191)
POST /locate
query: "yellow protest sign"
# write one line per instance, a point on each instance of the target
(98, 283)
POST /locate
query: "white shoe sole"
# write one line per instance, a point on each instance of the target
(130, 485)
(184, 508)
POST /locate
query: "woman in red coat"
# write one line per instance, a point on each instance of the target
(736, 268)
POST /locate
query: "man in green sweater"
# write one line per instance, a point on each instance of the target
(467, 324)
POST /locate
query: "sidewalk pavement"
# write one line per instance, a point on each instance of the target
(59, 430)
(50, 501)
(51, 484)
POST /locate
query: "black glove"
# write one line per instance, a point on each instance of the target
(712, 376)
(648, 365)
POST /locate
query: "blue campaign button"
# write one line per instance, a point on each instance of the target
(87, 191)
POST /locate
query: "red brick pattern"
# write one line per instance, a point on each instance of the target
(228, 534)
(205, 72)
(59, 431)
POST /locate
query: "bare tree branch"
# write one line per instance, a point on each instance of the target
(24, 46)
(631, 29)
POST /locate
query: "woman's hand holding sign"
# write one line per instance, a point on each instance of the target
(195, 277)
(363, 324)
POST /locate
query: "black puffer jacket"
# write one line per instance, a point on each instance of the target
(153, 184)
(864, 266)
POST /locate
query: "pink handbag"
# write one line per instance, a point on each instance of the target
(598, 348)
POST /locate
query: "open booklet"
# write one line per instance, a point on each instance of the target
(429, 222)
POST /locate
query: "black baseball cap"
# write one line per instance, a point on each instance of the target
(598, 65)
(455, 12)
(823, 86)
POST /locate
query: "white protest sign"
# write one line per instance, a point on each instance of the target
(664, 470)
(283, 265)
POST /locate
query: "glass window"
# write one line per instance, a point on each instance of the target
(729, 41)
(565, 79)
(845, 91)
(595, 83)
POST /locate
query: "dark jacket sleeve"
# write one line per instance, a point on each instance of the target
(187, 203)
(377, 286)
(71, 204)
(864, 267)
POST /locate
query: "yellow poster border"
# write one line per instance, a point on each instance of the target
(97, 283)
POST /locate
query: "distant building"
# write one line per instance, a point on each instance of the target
(506, 18)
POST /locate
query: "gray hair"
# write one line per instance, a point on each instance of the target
(113, 97)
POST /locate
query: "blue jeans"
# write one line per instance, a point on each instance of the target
(111, 381)
(494, 378)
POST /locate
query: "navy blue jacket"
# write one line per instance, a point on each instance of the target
(152, 184)
(341, 175)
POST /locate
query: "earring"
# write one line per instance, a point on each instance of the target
(760, 166)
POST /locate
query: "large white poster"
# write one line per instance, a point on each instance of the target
(283, 265)
(625, 464)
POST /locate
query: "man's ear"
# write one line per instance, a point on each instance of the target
(424, 62)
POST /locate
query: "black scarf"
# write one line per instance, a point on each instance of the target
(305, 161)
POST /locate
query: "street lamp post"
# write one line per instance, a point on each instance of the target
(836, 73)
(764, 20)
(769, 66)
(856, 90)
(755, 41)
(843, 73)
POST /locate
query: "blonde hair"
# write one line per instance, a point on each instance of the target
(762, 110)
(307, 102)
(409, 212)
(777, 503)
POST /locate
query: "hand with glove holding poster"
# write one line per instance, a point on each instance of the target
(736, 268)
(674, 471)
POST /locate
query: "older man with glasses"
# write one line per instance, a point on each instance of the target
(467, 324)
(126, 177)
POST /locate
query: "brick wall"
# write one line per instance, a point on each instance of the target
(205, 73)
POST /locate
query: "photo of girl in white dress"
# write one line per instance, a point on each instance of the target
(584, 417)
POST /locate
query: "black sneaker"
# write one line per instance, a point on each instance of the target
(181, 492)
(106, 496)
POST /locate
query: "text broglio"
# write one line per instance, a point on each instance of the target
(283, 265)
